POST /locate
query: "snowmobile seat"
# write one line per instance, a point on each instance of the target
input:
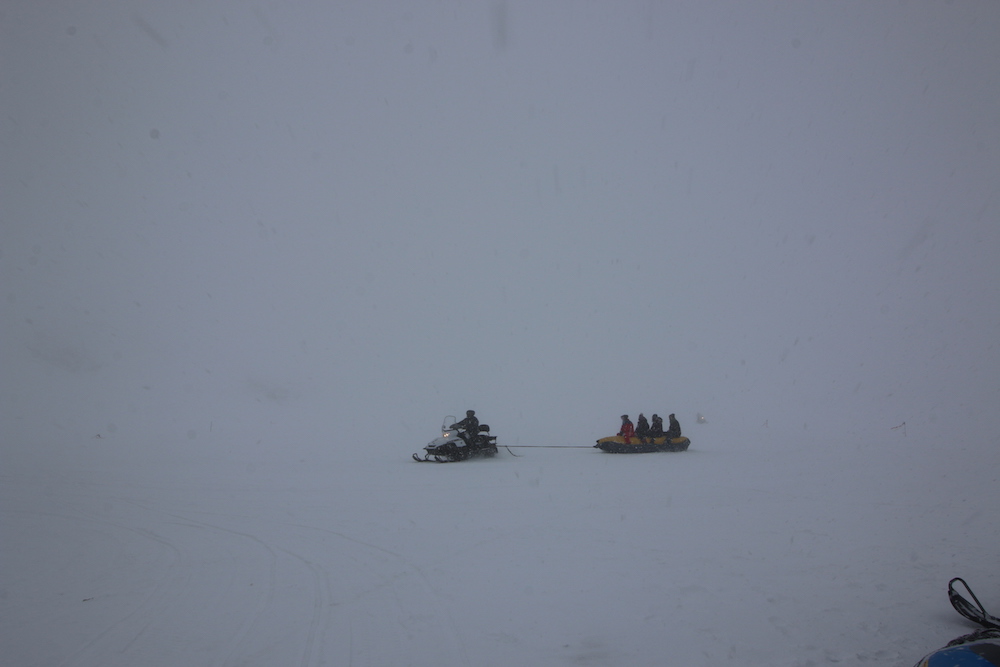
(484, 428)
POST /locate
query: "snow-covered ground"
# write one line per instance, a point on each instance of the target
(750, 548)
(251, 253)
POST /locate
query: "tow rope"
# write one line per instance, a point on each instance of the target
(547, 447)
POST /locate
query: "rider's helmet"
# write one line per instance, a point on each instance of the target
(469, 413)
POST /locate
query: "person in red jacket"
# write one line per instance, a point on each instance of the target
(627, 430)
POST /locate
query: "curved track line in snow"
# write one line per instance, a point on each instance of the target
(440, 610)
(322, 601)
(164, 605)
(323, 595)
(143, 609)
(264, 598)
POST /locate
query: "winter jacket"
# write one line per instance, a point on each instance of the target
(470, 425)
(675, 428)
(641, 427)
(627, 431)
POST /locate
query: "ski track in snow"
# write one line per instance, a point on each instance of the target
(245, 591)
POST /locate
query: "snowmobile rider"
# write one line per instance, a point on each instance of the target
(468, 427)
(627, 430)
(675, 428)
(642, 428)
(656, 430)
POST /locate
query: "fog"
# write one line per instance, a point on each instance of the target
(551, 214)
(307, 231)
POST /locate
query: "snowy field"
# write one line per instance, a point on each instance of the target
(251, 253)
(747, 549)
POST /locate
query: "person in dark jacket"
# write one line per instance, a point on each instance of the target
(642, 428)
(656, 429)
(627, 431)
(468, 428)
(674, 431)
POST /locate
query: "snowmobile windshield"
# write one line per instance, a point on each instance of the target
(446, 425)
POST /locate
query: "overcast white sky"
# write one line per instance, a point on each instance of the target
(235, 221)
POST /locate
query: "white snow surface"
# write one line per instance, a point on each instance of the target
(750, 548)
(251, 253)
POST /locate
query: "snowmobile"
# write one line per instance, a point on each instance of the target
(457, 445)
(616, 444)
(977, 649)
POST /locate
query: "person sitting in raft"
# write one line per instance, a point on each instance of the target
(641, 428)
(675, 428)
(627, 430)
(656, 430)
